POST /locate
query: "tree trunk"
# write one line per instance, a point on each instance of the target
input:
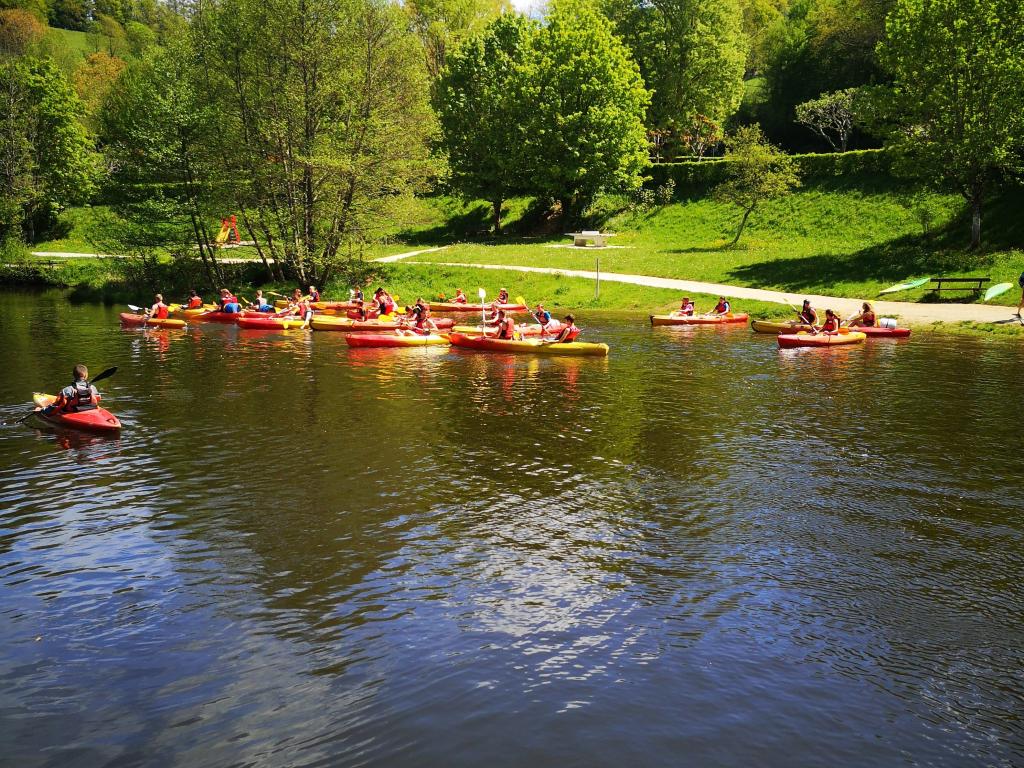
(743, 223)
(496, 204)
(976, 221)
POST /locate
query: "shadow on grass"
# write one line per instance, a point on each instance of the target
(942, 254)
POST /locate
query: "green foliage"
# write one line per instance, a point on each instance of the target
(482, 113)
(694, 178)
(758, 172)
(958, 96)
(585, 130)
(46, 157)
(441, 25)
(831, 116)
(691, 53)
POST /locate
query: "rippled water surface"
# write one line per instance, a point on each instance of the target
(700, 551)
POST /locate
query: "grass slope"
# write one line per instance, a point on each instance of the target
(836, 238)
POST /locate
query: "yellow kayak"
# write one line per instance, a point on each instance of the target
(573, 348)
(188, 314)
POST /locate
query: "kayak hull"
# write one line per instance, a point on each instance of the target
(487, 344)
(525, 330)
(385, 340)
(345, 325)
(265, 323)
(94, 420)
(739, 317)
(215, 316)
(793, 340)
(452, 306)
(767, 326)
(135, 321)
(876, 332)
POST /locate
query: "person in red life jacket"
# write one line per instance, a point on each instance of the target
(195, 301)
(460, 297)
(569, 331)
(506, 325)
(686, 308)
(503, 296)
(831, 325)
(314, 294)
(422, 323)
(228, 302)
(159, 310)
(80, 396)
(385, 304)
(807, 315)
(723, 307)
(866, 318)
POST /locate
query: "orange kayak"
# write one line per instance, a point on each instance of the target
(93, 420)
(791, 340)
(394, 340)
(739, 317)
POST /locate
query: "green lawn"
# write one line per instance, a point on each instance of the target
(831, 238)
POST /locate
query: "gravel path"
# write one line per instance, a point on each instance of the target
(908, 312)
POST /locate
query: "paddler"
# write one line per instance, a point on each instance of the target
(506, 325)
(723, 307)
(865, 319)
(261, 303)
(195, 301)
(831, 325)
(301, 306)
(159, 310)
(228, 302)
(686, 308)
(569, 331)
(503, 296)
(460, 297)
(807, 315)
(80, 396)
(314, 294)
(421, 319)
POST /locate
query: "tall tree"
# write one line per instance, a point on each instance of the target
(324, 121)
(958, 94)
(692, 53)
(757, 172)
(442, 24)
(586, 102)
(47, 160)
(482, 113)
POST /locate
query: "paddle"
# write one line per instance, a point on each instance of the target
(997, 290)
(483, 311)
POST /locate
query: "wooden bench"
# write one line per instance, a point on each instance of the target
(580, 239)
(974, 284)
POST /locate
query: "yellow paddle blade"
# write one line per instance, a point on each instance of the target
(521, 300)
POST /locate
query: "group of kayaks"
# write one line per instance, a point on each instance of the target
(385, 332)
(790, 335)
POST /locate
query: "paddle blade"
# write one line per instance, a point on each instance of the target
(133, 308)
(105, 374)
(521, 300)
(482, 294)
(905, 286)
(997, 290)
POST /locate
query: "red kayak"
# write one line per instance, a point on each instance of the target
(260, 322)
(878, 332)
(130, 320)
(94, 420)
(216, 316)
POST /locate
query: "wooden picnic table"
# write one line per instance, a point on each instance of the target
(974, 284)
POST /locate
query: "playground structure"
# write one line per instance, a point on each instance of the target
(228, 235)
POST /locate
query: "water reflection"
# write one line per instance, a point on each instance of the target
(299, 552)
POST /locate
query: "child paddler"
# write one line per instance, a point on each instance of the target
(79, 396)
(723, 307)
(569, 331)
(229, 302)
(195, 301)
(831, 325)
(686, 308)
(460, 297)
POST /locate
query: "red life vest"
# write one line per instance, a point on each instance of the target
(507, 329)
(503, 298)
(571, 332)
(687, 308)
(868, 319)
(195, 302)
(831, 325)
(722, 307)
(314, 296)
(459, 299)
(161, 312)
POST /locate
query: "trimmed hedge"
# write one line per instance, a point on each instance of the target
(697, 176)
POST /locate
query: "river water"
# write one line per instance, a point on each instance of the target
(700, 551)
